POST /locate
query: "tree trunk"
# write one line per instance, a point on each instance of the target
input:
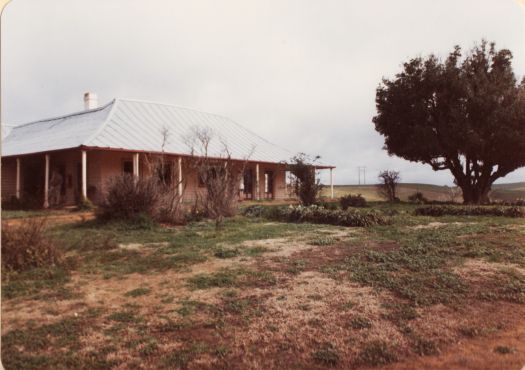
(475, 194)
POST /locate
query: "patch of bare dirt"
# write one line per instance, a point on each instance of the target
(480, 352)
(56, 219)
(437, 224)
(139, 246)
(286, 247)
(315, 257)
(276, 246)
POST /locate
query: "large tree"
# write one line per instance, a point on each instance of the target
(465, 114)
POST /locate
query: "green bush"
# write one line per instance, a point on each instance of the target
(84, 204)
(418, 198)
(505, 211)
(352, 201)
(254, 211)
(328, 205)
(319, 215)
(26, 246)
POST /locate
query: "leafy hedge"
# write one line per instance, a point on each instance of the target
(318, 215)
(352, 201)
(513, 211)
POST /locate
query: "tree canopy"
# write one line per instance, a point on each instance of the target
(465, 114)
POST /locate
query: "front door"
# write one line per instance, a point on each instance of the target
(78, 188)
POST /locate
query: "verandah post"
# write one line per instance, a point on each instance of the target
(179, 165)
(136, 165)
(257, 185)
(18, 178)
(331, 183)
(84, 175)
(46, 182)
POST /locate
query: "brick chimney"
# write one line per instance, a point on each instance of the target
(90, 101)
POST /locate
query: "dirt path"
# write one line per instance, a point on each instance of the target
(55, 219)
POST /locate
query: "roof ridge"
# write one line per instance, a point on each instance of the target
(172, 105)
(114, 102)
(67, 115)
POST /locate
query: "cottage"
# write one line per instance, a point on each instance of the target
(78, 152)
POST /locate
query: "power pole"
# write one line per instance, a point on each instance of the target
(361, 169)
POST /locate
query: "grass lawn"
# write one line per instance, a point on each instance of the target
(421, 292)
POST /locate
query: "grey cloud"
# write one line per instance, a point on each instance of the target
(301, 73)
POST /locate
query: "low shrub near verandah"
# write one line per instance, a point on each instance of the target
(449, 210)
(28, 201)
(26, 246)
(352, 201)
(128, 198)
(319, 215)
(140, 200)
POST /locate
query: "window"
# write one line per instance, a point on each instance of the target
(127, 167)
(248, 181)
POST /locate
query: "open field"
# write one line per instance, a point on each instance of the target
(421, 292)
(500, 192)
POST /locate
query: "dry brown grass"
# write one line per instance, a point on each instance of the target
(311, 316)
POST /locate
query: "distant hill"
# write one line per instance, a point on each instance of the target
(508, 192)
(504, 192)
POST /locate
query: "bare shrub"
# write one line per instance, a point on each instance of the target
(165, 179)
(26, 245)
(304, 181)
(454, 194)
(220, 175)
(388, 181)
(417, 198)
(170, 187)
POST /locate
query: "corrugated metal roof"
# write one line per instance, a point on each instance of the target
(138, 126)
(63, 132)
(6, 130)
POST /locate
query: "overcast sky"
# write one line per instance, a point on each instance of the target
(300, 73)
